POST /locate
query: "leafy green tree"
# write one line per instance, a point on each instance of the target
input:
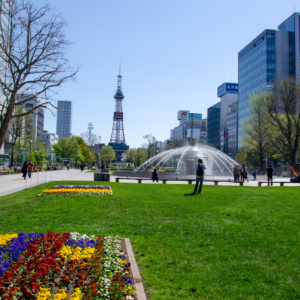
(39, 158)
(241, 157)
(65, 147)
(140, 157)
(129, 154)
(92, 156)
(255, 128)
(282, 107)
(107, 154)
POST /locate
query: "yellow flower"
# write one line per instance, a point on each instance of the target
(44, 294)
(4, 239)
(61, 295)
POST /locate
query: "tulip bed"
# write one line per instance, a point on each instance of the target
(78, 190)
(61, 265)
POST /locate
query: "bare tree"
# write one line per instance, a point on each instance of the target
(89, 137)
(151, 143)
(32, 49)
(176, 143)
(283, 114)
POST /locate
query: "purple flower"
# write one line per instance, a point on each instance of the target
(11, 252)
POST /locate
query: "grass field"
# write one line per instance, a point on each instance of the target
(227, 243)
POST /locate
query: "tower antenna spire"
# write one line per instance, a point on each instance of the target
(117, 139)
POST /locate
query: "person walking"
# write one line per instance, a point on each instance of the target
(270, 174)
(155, 175)
(29, 168)
(236, 173)
(81, 167)
(200, 167)
(254, 175)
(68, 166)
(24, 169)
(242, 173)
(246, 173)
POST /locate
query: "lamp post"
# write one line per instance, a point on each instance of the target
(30, 148)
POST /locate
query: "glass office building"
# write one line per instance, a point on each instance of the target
(292, 26)
(64, 119)
(217, 115)
(213, 125)
(272, 54)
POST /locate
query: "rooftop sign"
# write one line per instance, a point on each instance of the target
(228, 88)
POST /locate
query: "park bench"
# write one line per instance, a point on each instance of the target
(259, 183)
(8, 170)
(164, 180)
(3, 171)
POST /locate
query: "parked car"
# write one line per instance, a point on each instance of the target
(295, 179)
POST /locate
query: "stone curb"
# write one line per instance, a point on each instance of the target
(140, 292)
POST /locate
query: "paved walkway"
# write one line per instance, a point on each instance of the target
(15, 182)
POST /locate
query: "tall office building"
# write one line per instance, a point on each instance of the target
(37, 124)
(217, 115)
(64, 119)
(272, 54)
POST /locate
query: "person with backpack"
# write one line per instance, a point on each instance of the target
(200, 167)
(155, 175)
(24, 169)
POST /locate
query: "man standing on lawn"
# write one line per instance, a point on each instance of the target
(200, 167)
(270, 174)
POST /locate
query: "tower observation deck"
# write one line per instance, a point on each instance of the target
(117, 139)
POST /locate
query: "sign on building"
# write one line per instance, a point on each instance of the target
(182, 114)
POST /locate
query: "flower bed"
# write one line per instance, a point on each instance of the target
(78, 190)
(40, 266)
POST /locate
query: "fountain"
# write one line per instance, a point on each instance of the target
(180, 163)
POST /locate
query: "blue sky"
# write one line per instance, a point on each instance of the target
(174, 56)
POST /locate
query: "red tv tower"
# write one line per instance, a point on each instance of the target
(117, 139)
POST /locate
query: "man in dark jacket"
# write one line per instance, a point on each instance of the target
(236, 173)
(155, 175)
(200, 167)
(270, 174)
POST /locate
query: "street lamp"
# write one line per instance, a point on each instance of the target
(30, 148)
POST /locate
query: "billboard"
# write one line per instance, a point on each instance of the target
(194, 116)
(230, 88)
(118, 115)
(182, 114)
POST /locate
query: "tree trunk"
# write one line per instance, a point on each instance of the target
(261, 159)
(5, 124)
(12, 155)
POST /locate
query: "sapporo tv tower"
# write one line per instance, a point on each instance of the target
(117, 139)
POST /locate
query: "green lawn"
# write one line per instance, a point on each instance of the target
(227, 243)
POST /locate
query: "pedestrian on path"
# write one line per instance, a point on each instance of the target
(270, 174)
(200, 167)
(68, 166)
(24, 169)
(29, 168)
(236, 173)
(254, 175)
(155, 175)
